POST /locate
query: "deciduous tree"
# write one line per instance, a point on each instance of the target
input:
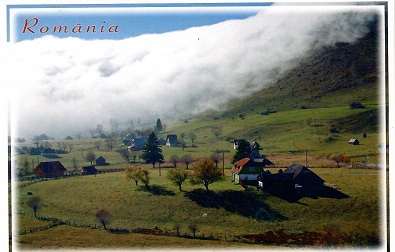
(187, 159)
(205, 172)
(178, 176)
(34, 202)
(217, 130)
(137, 174)
(90, 156)
(104, 217)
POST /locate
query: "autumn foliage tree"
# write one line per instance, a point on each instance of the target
(205, 172)
(341, 159)
(137, 174)
(178, 176)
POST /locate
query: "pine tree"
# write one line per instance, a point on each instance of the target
(243, 151)
(152, 153)
(159, 126)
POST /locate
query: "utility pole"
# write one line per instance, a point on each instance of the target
(223, 159)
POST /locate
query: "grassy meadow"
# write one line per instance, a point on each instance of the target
(228, 213)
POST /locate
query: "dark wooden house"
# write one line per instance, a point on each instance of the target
(101, 161)
(89, 170)
(296, 179)
(171, 140)
(49, 170)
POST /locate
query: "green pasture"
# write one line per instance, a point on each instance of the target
(227, 210)
(286, 132)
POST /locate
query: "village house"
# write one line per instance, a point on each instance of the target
(48, 153)
(49, 170)
(89, 170)
(296, 179)
(171, 140)
(246, 170)
(101, 161)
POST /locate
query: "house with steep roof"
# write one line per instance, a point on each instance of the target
(101, 161)
(49, 170)
(296, 179)
(171, 140)
(247, 170)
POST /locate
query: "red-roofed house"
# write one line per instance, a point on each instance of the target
(246, 170)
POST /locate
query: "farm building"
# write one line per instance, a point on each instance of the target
(137, 143)
(101, 161)
(246, 170)
(296, 179)
(171, 140)
(48, 153)
(49, 170)
(89, 170)
(353, 142)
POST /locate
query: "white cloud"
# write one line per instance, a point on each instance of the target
(63, 86)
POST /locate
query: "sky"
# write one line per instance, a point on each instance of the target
(170, 64)
(132, 19)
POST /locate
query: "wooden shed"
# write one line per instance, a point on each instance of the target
(89, 170)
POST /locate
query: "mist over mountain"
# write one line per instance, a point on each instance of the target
(67, 86)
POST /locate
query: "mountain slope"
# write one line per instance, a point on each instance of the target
(334, 76)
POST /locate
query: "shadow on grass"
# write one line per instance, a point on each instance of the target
(157, 190)
(246, 203)
(326, 192)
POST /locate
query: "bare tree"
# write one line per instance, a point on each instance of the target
(104, 217)
(37, 141)
(90, 156)
(75, 163)
(187, 159)
(217, 130)
(216, 158)
(110, 141)
(193, 228)
(97, 145)
(192, 136)
(174, 160)
(34, 202)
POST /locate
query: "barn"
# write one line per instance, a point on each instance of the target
(89, 170)
(49, 170)
(353, 142)
(296, 179)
